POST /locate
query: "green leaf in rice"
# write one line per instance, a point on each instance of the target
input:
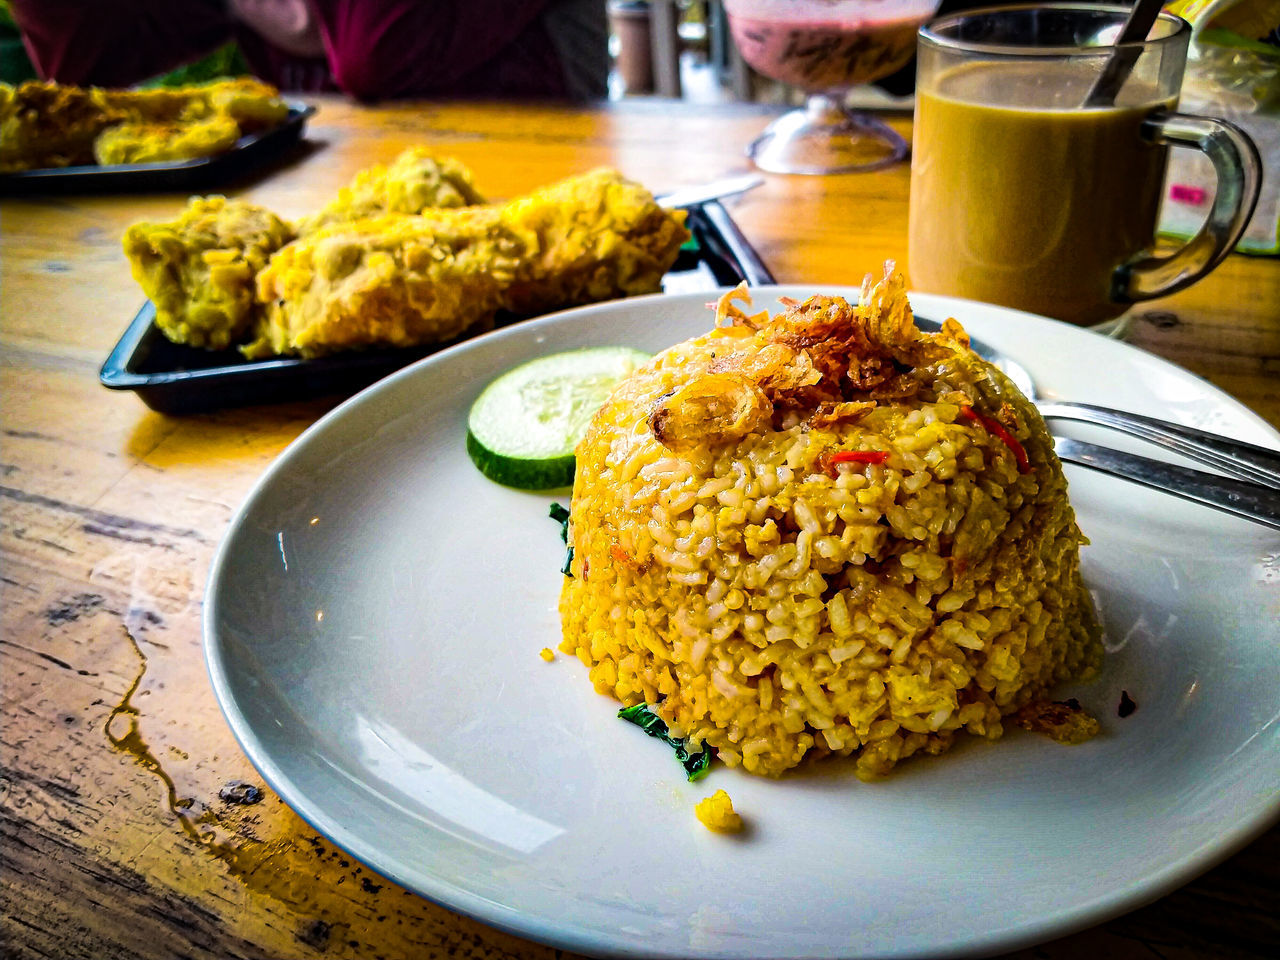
(561, 516)
(696, 765)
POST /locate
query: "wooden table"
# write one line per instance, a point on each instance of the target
(133, 826)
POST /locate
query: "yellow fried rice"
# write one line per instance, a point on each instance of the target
(824, 532)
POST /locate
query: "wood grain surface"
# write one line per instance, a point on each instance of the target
(133, 826)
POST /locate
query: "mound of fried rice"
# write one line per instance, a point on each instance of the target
(824, 532)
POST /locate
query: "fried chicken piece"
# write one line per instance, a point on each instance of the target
(402, 280)
(415, 182)
(251, 104)
(158, 105)
(154, 142)
(199, 269)
(58, 125)
(50, 125)
(589, 238)
(391, 281)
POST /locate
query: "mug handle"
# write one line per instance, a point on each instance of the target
(1238, 169)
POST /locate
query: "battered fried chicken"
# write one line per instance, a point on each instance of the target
(401, 280)
(252, 104)
(48, 125)
(199, 270)
(415, 182)
(236, 238)
(390, 281)
(56, 125)
(154, 142)
(588, 238)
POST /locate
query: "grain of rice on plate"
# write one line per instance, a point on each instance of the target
(824, 532)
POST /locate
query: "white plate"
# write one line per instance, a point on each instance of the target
(373, 624)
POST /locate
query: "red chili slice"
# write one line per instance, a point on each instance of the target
(997, 428)
(860, 456)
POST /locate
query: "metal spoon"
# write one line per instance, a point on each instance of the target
(1118, 66)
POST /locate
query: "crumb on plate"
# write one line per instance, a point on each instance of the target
(1063, 721)
(716, 813)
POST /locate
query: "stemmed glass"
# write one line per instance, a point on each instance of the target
(827, 47)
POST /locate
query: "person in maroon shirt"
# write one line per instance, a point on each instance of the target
(371, 49)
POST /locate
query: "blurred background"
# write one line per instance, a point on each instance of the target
(683, 49)
(582, 50)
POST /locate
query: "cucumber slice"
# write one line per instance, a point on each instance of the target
(523, 427)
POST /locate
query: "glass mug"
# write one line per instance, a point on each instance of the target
(1023, 195)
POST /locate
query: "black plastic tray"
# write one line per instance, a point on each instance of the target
(177, 379)
(248, 153)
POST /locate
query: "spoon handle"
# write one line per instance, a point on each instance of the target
(1247, 500)
(1125, 54)
(1235, 457)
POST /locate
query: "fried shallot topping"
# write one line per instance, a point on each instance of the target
(832, 413)
(710, 410)
(824, 356)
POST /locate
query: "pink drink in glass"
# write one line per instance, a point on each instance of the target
(827, 45)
